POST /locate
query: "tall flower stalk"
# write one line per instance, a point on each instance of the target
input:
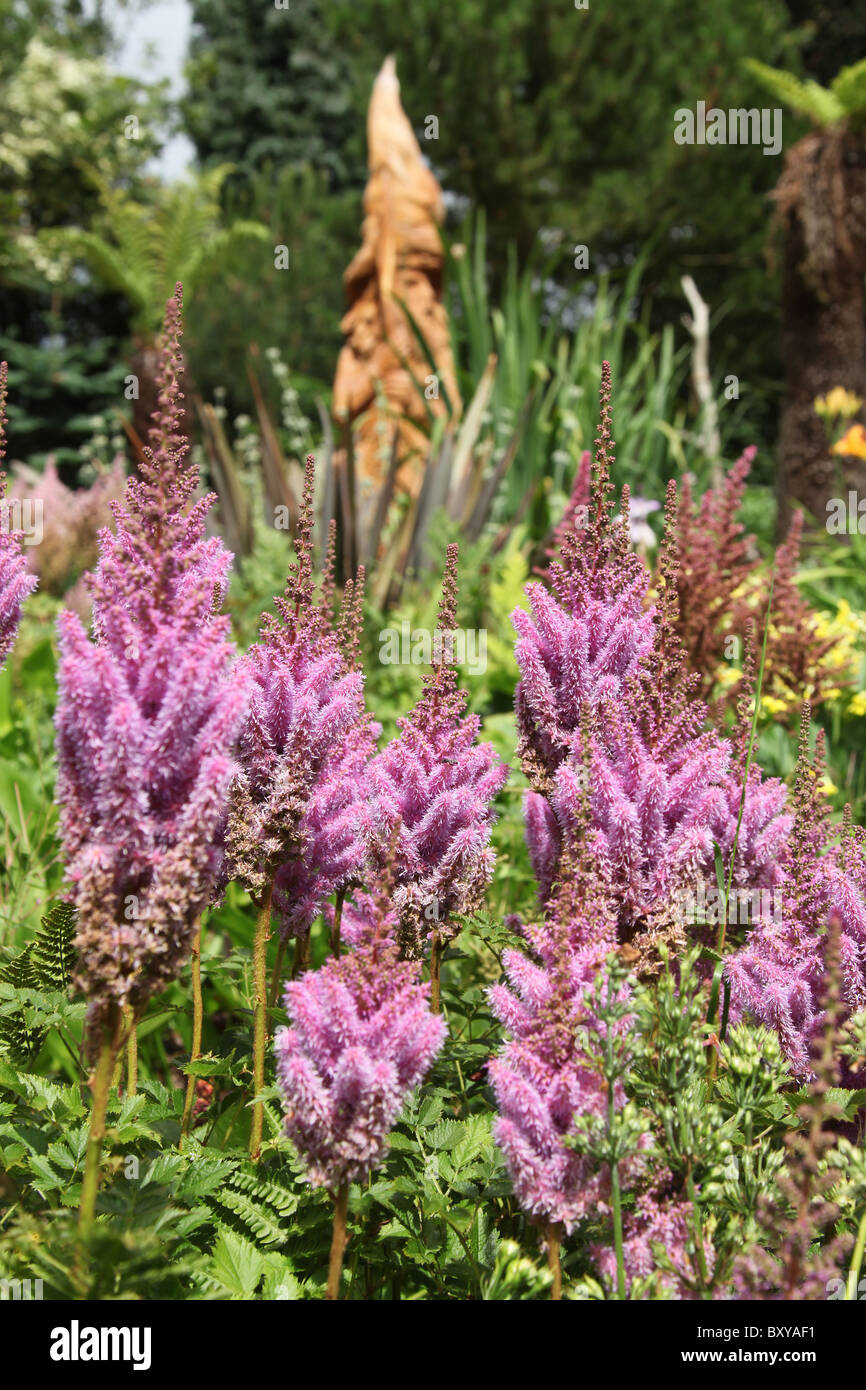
(434, 785)
(777, 975)
(149, 711)
(361, 1037)
(543, 1078)
(296, 825)
(605, 698)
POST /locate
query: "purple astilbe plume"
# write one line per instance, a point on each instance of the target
(298, 806)
(802, 1247)
(658, 1220)
(547, 1082)
(437, 784)
(778, 974)
(542, 1079)
(605, 696)
(147, 717)
(15, 580)
(583, 641)
(362, 1036)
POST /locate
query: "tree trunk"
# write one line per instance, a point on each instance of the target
(822, 207)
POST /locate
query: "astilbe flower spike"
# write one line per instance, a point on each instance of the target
(298, 815)
(798, 1217)
(719, 582)
(436, 784)
(777, 976)
(147, 718)
(361, 1037)
(601, 668)
(297, 819)
(544, 1079)
(15, 580)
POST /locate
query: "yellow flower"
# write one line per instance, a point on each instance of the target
(728, 676)
(838, 403)
(858, 703)
(774, 706)
(852, 443)
(827, 787)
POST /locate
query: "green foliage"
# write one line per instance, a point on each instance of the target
(34, 982)
(64, 117)
(142, 248)
(546, 381)
(271, 87)
(843, 100)
(53, 380)
(245, 299)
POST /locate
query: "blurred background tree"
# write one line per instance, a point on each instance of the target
(554, 123)
(65, 116)
(270, 87)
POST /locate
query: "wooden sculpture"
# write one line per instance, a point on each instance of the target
(384, 383)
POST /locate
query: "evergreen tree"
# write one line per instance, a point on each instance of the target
(268, 85)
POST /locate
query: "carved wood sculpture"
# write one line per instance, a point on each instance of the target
(382, 369)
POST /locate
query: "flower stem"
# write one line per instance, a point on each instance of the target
(101, 1089)
(615, 1192)
(338, 1242)
(131, 1052)
(260, 1014)
(197, 1019)
(435, 971)
(302, 955)
(553, 1260)
(852, 1291)
(277, 975)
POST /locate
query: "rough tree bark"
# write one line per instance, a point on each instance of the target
(821, 205)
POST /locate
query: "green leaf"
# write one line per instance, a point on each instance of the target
(236, 1265)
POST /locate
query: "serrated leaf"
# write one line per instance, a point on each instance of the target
(236, 1265)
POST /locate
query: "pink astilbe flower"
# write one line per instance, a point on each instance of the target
(584, 640)
(362, 1036)
(778, 975)
(437, 783)
(15, 580)
(298, 817)
(543, 1078)
(605, 697)
(658, 1222)
(548, 1082)
(71, 521)
(147, 717)
(332, 831)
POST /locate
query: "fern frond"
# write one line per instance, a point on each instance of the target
(849, 89)
(821, 105)
(256, 1208)
(21, 1040)
(54, 947)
